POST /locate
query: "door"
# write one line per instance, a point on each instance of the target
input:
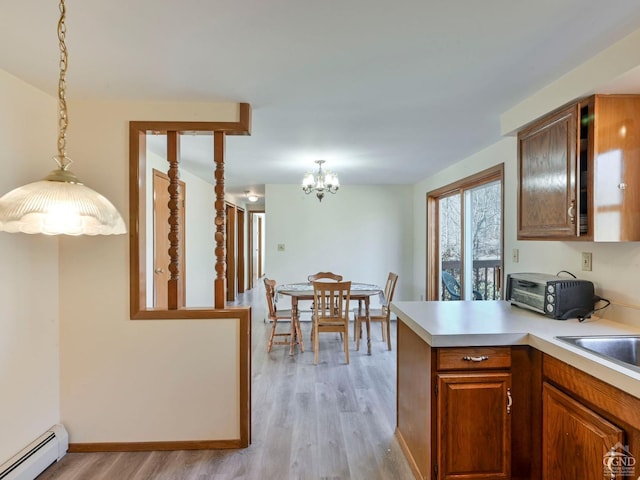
(474, 426)
(465, 238)
(254, 247)
(259, 256)
(576, 441)
(231, 251)
(161, 241)
(240, 248)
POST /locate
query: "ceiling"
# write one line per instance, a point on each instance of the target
(385, 92)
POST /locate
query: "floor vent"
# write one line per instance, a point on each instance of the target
(32, 460)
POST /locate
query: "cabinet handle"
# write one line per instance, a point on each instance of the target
(572, 212)
(475, 359)
(509, 400)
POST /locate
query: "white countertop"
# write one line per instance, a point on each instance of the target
(490, 323)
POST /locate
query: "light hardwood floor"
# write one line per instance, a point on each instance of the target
(330, 421)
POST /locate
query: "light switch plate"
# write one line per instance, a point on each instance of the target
(281, 247)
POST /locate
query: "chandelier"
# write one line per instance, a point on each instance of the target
(320, 182)
(59, 203)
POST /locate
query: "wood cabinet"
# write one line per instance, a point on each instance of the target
(546, 196)
(473, 425)
(590, 429)
(415, 397)
(579, 172)
(473, 413)
(572, 431)
(458, 407)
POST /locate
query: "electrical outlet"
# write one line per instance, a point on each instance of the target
(515, 255)
(586, 261)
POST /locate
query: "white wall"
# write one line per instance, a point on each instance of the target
(200, 248)
(616, 266)
(362, 233)
(128, 380)
(29, 354)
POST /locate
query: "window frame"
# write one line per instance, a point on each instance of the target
(492, 174)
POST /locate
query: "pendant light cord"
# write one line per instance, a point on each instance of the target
(63, 119)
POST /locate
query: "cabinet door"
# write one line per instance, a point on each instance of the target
(474, 425)
(575, 439)
(617, 168)
(547, 204)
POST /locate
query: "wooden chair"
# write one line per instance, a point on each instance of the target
(293, 336)
(331, 313)
(382, 315)
(323, 277)
(326, 276)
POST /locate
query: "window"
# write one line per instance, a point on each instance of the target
(464, 238)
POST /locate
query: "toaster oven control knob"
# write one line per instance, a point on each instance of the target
(549, 307)
(550, 288)
(550, 298)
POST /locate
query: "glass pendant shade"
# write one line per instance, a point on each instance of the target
(59, 205)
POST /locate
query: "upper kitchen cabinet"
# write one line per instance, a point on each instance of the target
(579, 172)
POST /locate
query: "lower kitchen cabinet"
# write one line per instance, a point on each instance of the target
(473, 425)
(509, 412)
(458, 407)
(575, 440)
(590, 429)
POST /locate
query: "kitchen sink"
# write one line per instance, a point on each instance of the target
(621, 349)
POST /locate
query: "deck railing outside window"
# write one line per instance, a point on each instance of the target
(485, 274)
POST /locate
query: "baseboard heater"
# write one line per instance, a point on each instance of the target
(32, 460)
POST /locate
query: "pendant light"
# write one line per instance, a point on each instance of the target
(59, 204)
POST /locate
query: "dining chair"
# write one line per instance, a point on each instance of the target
(324, 277)
(293, 336)
(331, 313)
(327, 276)
(381, 315)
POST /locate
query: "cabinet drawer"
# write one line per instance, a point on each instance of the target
(473, 358)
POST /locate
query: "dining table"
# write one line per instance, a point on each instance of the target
(362, 292)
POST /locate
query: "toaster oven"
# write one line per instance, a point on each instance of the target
(556, 297)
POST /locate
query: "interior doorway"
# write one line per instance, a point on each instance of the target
(255, 246)
(230, 216)
(235, 250)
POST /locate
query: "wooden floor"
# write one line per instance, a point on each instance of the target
(330, 421)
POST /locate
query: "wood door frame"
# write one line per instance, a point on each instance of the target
(251, 246)
(230, 249)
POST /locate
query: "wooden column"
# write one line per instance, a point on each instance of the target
(220, 283)
(173, 157)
